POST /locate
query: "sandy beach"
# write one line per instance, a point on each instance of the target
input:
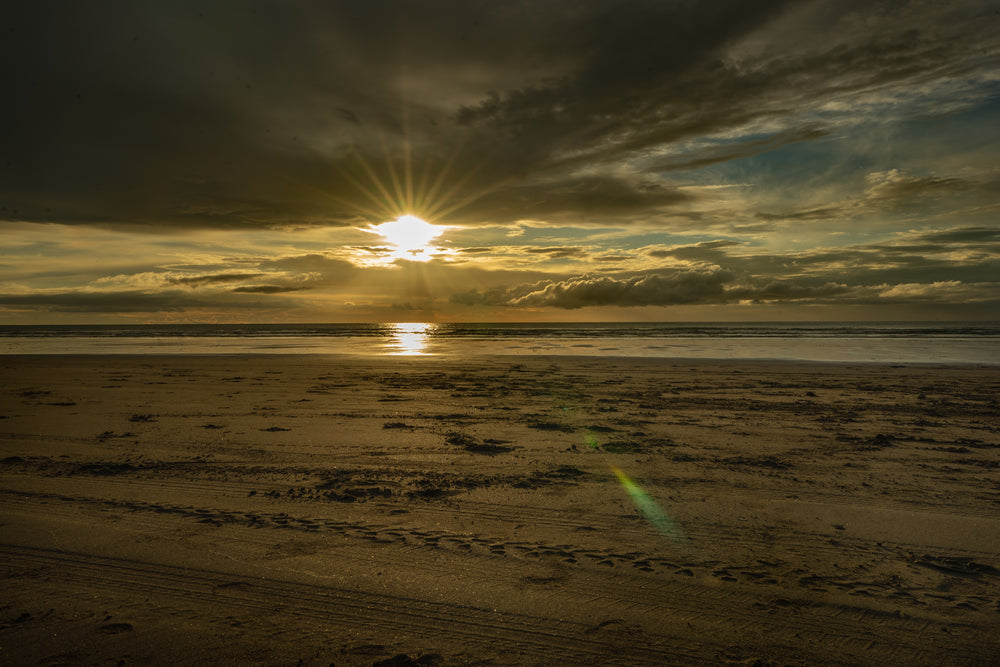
(324, 510)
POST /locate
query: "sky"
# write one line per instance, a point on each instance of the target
(475, 160)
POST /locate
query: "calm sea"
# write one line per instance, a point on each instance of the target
(902, 342)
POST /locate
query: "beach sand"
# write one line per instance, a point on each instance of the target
(498, 510)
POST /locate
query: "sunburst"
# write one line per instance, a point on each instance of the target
(392, 187)
(410, 237)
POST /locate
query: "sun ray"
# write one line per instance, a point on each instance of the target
(397, 185)
(440, 211)
(431, 195)
(419, 199)
(408, 176)
(430, 198)
(396, 188)
(377, 182)
(407, 159)
(378, 211)
(433, 211)
(382, 211)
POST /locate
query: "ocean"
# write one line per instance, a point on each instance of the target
(875, 342)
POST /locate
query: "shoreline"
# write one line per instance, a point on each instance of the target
(455, 359)
(848, 342)
(272, 509)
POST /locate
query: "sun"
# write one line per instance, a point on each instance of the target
(410, 237)
(409, 233)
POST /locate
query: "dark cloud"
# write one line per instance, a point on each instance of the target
(895, 189)
(963, 235)
(249, 113)
(921, 269)
(969, 254)
(591, 199)
(753, 228)
(711, 287)
(653, 288)
(705, 251)
(726, 152)
(328, 268)
(407, 307)
(214, 279)
(128, 301)
(788, 290)
(819, 213)
(268, 289)
(348, 115)
(557, 252)
(645, 289)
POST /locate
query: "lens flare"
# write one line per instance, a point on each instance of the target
(650, 509)
(647, 506)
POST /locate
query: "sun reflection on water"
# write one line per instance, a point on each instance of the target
(409, 338)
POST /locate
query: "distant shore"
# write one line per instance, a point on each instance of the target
(352, 510)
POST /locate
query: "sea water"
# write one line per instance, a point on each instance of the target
(896, 342)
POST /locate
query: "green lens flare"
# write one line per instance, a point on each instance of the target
(650, 509)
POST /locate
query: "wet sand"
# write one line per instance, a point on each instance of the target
(510, 511)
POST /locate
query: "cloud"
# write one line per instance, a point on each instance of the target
(286, 274)
(788, 290)
(268, 289)
(818, 213)
(964, 235)
(577, 199)
(557, 252)
(957, 266)
(162, 282)
(314, 267)
(704, 251)
(233, 150)
(712, 287)
(213, 279)
(252, 114)
(128, 302)
(654, 288)
(645, 289)
(657, 75)
(893, 188)
(939, 292)
(752, 228)
(708, 154)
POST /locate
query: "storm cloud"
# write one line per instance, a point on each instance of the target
(249, 114)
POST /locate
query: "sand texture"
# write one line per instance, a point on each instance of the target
(498, 511)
